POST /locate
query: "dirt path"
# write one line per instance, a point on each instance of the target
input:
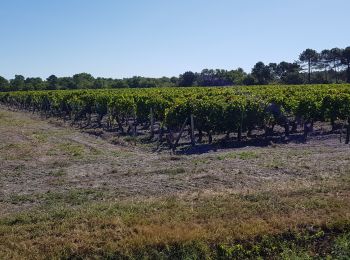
(42, 162)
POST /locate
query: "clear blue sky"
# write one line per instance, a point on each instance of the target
(122, 38)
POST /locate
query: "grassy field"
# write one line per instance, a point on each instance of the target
(68, 194)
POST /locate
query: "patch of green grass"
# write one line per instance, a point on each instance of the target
(58, 173)
(21, 198)
(70, 149)
(8, 121)
(75, 150)
(317, 203)
(256, 197)
(274, 163)
(57, 182)
(72, 197)
(17, 151)
(40, 136)
(245, 155)
(116, 153)
(298, 153)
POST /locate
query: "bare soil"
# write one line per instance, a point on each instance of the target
(44, 160)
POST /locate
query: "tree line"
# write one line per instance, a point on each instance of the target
(312, 67)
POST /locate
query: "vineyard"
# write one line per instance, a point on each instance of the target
(73, 184)
(167, 113)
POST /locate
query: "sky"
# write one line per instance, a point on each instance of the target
(154, 38)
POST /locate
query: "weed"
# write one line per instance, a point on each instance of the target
(40, 136)
(21, 198)
(72, 197)
(70, 149)
(58, 173)
(245, 155)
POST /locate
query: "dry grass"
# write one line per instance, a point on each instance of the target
(130, 225)
(65, 194)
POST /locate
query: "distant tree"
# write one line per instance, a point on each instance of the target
(346, 62)
(236, 77)
(310, 57)
(133, 82)
(34, 84)
(148, 83)
(210, 77)
(99, 83)
(17, 83)
(52, 82)
(207, 77)
(174, 80)
(119, 83)
(288, 73)
(66, 83)
(336, 57)
(294, 78)
(325, 62)
(222, 78)
(249, 80)
(165, 82)
(4, 84)
(273, 71)
(262, 73)
(107, 82)
(83, 81)
(187, 79)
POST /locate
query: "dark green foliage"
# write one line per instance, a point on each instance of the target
(187, 79)
(4, 84)
(310, 57)
(262, 73)
(215, 110)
